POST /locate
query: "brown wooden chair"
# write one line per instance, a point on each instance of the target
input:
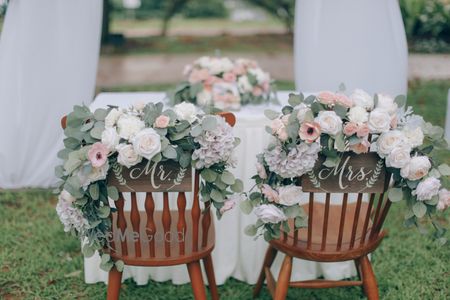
(173, 236)
(348, 231)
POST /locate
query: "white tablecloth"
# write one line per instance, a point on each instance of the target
(236, 254)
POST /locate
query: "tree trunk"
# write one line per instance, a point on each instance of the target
(106, 20)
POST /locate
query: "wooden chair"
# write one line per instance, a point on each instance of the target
(347, 231)
(162, 238)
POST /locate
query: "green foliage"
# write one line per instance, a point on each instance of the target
(205, 9)
(281, 9)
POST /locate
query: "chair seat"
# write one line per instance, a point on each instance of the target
(167, 247)
(330, 251)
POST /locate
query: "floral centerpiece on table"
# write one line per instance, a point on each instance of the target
(97, 142)
(330, 124)
(224, 83)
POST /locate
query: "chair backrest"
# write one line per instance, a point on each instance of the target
(344, 226)
(158, 178)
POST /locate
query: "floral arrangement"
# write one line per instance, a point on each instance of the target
(97, 142)
(224, 83)
(329, 124)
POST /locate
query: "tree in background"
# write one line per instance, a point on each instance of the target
(281, 9)
(106, 20)
(170, 9)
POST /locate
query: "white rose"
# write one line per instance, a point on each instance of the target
(414, 136)
(417, 168)
(204, 98)
(269, 214)
(379, 121)
(128, 126)
(260, 75)
(329, 122)
(387, 103)
(358, 114)
(110, 138)
(261, 170)
(127, 156)
(427, 188)
(147, 143)
(390, 140)
(303, 109)
(399, 157)
(66, 196)
(112, 117)
(444, 199)
(244, 85)
(362, 99)
(186, 111)
(99, 173)
(289, 195)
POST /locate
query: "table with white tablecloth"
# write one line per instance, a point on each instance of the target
(236, 254)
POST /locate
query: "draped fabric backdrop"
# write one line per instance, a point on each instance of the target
(48, 62)
(360, 43)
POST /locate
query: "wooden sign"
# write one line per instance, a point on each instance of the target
(149, 176)
(355, 173)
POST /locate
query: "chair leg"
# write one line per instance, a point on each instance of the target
(284, 278)
(358, 270)
(209, 268)
(271, 253)
(369, 280)
(114, 281)
(195, 274)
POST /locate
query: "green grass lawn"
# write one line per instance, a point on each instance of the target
(39, 261)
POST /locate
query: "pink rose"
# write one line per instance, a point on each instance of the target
(444, 199)
(266, 86)
(350, 129)
(227, 205)
(198, 75)
(327, 98)
(257, 91)
(309, 131)
(261, 170)
(229, 77)
(162, 121)
(269, 193)
(238, 70)
(343, 100)
(362, 147)
(363, 130)
(98, 155)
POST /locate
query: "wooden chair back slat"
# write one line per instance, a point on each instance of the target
(367, 219)
(342, 222)
(181, 225)
(355, 220)
(379, 223)
(377, 215)
(195, 212)
(136, 223)
(166, 221)
(325, 221)
(150, 226)
(310, 219)
(122, 224)
(206, 222)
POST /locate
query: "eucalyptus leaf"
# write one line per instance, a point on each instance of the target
(209, 123)
(216, 195)
(395, 194)
(209, 175)
(238, 186)
(419, 209)
(295, 100)
(196, 130)
(227, 177)
(113, 193)
(87, 250)
(271, 114)
(292, 211)
(103, 212)
(119, 265)
(400, 100)
(96, 132)
(170, 152)
(246, 207)
(94, 191)
(100, 114)
(444, 169)
(250, 230)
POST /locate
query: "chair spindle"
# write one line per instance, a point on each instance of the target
(166, 221)
(206, 222)
(136, 223)
(150, 226)
(181, 226)
(122, 224)
(355, 220)
(195, 212)
(310, 219)
(342, 222)
(325, 221)
(367, 219)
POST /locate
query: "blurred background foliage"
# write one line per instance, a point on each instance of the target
(427, 22)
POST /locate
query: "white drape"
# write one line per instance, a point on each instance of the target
(48, 61)
(360, 43)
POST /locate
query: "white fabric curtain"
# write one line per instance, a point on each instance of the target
(360, 43)
(48, 62)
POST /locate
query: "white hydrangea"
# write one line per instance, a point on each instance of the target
(297, 162)
(70, 216)
(215, 145)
